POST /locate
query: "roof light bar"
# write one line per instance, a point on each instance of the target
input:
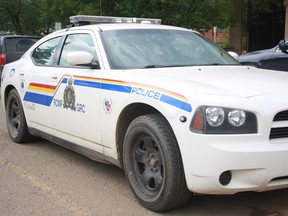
(84, 19)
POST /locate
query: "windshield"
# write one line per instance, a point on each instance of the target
(149, 48)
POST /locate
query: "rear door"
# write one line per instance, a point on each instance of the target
(35, 76)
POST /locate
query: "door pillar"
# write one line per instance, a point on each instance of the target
(285, 3)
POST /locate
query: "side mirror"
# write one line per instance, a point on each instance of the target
(81, 58)
(234, 55)
(283, 46)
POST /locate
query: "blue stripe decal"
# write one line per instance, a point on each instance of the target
(175, 102)
(113, 87)
(90, 84)
(38, 98)
(65, 80)
(106, 86)
(47, 100)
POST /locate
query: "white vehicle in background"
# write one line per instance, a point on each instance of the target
(176, 112)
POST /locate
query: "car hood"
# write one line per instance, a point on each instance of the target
(240, 81)
(257, 55)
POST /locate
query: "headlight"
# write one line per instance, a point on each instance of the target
(219, 120)
(237, 117)
(215, 116)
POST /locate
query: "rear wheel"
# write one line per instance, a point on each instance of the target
(153, 164)
(15, 118)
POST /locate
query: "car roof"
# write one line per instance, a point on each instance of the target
(18, 36)
(117, 26)
(106, 26)
(106, 23)
(113, 26)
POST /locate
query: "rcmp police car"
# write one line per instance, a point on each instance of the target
(177, 113)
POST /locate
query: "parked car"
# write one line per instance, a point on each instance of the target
(274, 59)
(12, 47)
(171, 108)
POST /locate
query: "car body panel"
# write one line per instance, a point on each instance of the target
(273, 59)
(82, 107)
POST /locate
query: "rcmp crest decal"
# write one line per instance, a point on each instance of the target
(69, 95)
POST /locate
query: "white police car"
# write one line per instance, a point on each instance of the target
(177, 113)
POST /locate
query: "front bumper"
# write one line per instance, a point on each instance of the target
(230, 164)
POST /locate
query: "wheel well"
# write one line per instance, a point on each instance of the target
(126, 117)
(7, 91)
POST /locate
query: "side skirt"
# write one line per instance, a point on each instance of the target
(94, 155)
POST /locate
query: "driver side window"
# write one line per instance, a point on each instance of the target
(77, 42)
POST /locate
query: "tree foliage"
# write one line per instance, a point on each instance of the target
(39, 16)
(261, 8)
(11, 9)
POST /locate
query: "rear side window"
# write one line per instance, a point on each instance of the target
(44, 54)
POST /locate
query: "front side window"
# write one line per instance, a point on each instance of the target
(77, 42)
(44, 54)
(146, 48)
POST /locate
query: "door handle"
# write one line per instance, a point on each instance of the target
(54, 77)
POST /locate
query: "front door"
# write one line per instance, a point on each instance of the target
(76, 105)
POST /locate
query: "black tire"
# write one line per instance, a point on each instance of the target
(15, 119)
(153, 164)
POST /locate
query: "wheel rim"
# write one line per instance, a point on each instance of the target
(14, 117)
(148, 164)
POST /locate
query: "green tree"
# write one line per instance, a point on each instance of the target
(195, 14)
(12, 10)
(5, 24)
(19, 16)
(29, 17)
(52, 11)
(258, 8)
(56, 11)
(39, 16)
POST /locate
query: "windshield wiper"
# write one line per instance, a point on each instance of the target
(162, 66)
(212, 64)
(155, 66)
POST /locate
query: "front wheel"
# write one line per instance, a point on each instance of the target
(15, 118)
(153, 164)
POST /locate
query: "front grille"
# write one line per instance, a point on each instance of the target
(281, 116)
(280, 132)
(282, 178)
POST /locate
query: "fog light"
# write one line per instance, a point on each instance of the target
(225, 178)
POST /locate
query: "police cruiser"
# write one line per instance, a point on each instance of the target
(176, 112)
